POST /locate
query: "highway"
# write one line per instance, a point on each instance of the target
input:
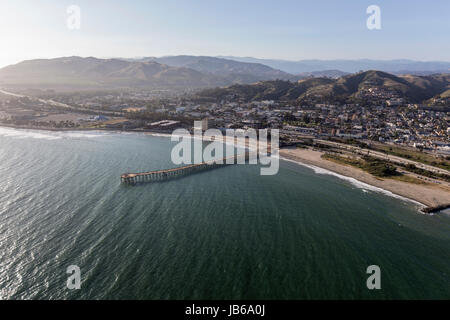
(383, 156)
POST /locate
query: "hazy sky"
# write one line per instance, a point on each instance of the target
(284, 29)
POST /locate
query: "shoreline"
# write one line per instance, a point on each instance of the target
(429, 196)
(5, 125)
(156, 133)
(360, 184)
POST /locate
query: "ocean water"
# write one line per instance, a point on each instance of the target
(227, 233)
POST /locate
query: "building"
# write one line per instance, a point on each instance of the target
(201, 125)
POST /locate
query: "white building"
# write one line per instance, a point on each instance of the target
(201, 125)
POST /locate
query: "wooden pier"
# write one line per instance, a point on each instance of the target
(162, 175)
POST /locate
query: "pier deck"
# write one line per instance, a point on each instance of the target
(160, 175)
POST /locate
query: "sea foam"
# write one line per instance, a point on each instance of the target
(359, 184)
(49, 135)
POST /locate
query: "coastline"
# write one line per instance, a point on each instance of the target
(428, 195)
(251, 145)
(11, 126)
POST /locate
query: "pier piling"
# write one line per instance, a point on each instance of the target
(161, 175)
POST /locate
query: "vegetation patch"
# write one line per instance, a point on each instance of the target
(384, 169)
(374, 166)
(406, 153)
(408, 178)
(426, 173)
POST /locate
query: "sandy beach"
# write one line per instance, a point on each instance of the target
(430, 194)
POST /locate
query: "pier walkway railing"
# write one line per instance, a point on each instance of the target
(161, 175)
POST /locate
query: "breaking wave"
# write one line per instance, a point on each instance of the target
(359, 184)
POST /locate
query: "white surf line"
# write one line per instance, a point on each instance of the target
(22, 133)
(357, 183)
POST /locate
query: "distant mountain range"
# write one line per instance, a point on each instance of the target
(399, 66)
(414, 89)
(181, 72)
(168, 72)
(85, 73)
(233, 71)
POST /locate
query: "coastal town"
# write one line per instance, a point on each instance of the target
(380, 138)
(384, 118)
(235, 157)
